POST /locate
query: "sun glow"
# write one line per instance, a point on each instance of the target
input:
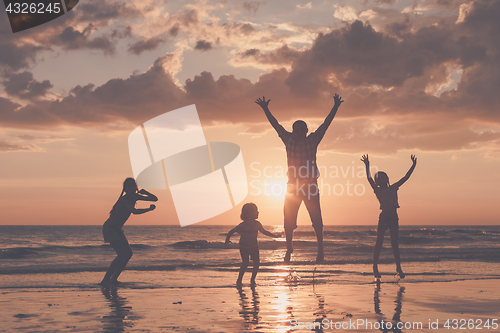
(276, 189)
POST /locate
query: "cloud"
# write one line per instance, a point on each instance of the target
(15, 54)
(393, 75)
(346, 13)
(71, 39)
(252, 6)
(146, 45)
(137, 98)
(203, 45)
(387, 136)
(24, 86)
(6, 146)
(72, 31)
(283, 56)
(306, 6)
(43, 139)
(358, 55)
(105, 10)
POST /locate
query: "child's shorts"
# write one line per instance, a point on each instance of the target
(388, 221)
(252, 252)
(112, 233)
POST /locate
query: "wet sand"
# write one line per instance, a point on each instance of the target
(297, 308)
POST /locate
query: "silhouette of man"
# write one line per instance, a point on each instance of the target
(302, 173)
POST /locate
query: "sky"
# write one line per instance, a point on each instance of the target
(416, 76)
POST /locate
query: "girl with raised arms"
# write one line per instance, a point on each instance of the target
(387, 195)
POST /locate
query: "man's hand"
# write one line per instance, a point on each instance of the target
(413, 159)
(152, 207)
(365, 160)
(262, 102)
(338, 100)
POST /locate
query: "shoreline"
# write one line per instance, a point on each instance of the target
(266, 308)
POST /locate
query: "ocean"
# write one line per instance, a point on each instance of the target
(75, 257)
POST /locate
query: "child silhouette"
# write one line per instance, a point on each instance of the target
(248, 230)
(387, 195)
(112, 228)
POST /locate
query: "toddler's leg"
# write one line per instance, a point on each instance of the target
(243, 268)
(255, 269)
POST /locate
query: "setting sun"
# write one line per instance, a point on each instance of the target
(276, 189)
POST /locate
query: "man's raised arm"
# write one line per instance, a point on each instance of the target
(337, 101)
(264, 105)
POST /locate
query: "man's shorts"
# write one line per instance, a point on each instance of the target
(298, 192)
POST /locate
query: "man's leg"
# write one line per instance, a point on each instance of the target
(313, 207)
(291, 209)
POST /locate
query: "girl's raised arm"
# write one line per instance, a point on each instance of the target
(408, 174)
(365, 160)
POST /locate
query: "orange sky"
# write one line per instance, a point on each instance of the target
(417, 78)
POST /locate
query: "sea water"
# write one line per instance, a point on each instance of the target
(195, 256)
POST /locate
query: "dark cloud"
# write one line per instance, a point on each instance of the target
(247, 29)
(122, 32)
(7, 106)
(187, 17)
(103, 10)
(252, 6)
(71, 39)
(203, 45)
(18, 52)
(174, 30)
(281, 56)
(146, 45)
(24, 86)
(357, 55)
(135, 99)
(17, 56)
(13, 54)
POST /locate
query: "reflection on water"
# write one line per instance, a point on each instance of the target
(120, 316)
(249, 309)
(396, 318)
(320, 313)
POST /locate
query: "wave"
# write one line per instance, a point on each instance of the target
(16, 253)
(22, 252)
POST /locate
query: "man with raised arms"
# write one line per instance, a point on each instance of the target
(302, 172)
